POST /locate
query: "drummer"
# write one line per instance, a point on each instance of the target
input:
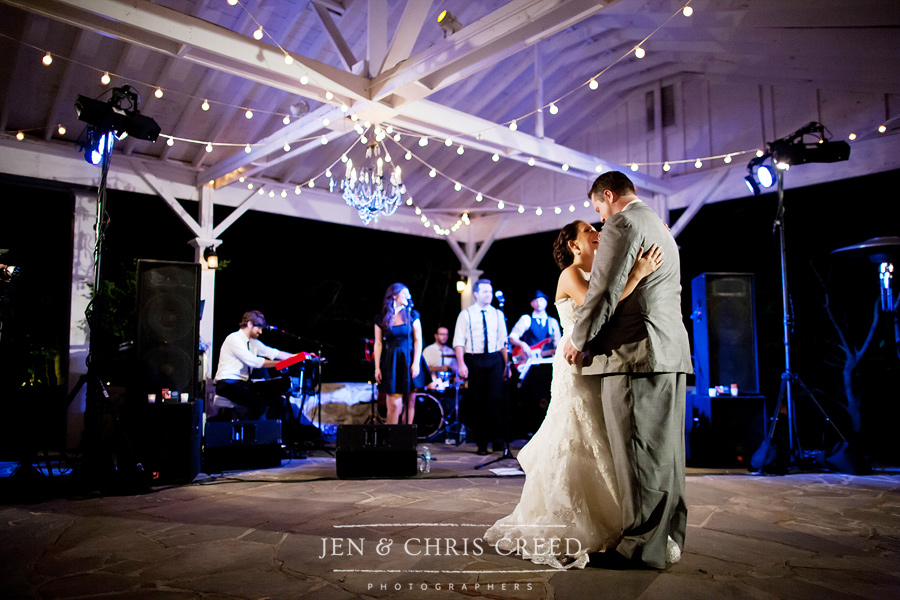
(441, 359)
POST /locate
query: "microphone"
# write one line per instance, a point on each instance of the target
(272, 328)
(409, 304)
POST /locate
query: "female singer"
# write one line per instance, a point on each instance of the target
(398, 354)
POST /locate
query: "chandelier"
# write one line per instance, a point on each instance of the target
(365, 190)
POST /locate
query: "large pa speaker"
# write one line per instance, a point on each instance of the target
(725, 345)
(376, 451)
(166, 439)
(168, 329)
(237, 445)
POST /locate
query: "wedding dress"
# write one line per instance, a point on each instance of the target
(570, 485)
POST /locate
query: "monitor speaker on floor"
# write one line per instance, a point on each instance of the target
(376, 451)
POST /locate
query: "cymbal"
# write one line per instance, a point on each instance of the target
(879, 249)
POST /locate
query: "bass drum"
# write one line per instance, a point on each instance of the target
(429, 417)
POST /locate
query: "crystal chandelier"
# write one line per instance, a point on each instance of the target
(365, 190)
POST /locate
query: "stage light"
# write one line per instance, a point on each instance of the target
(99, 144)
(752, 185)
(793, 150)
(448, 23)
(766, 176)
(120, 114)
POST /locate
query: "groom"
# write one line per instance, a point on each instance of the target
(640, 349)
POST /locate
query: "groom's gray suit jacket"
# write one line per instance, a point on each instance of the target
(645, 332)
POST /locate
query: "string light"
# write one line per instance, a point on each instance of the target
(232, 2)
(553, 108)
(324, 140)
(297, 191)
(329, 95)
(448, 142)
(593, 84)
(852, 136)
(288, 59)
(458, 186)
(170, 142)
(287, 147)
(247, 149)
(258, 34)
(687, 11)
(158, 93)
(61, 130)
(500, 205)
(105, 79)
(209, 147)
(344, 107)
(571, 208)
(565, 166)
(538, 211)
(666, 167)
(423, 141)
(634, 166)
(727, 159)
(639, 52)
(304, 79)
(286, 120)
(495, 158)
(531, 161)
(47, 60)
(459, 150)
(205, 105)
(432, 173)
(408, 155)
(557, 210)
(250, 186)
(521, 209)
(513, 126)
(698, 163)
(249, 114)
(20, 136)
(479, 197)
(882, 129)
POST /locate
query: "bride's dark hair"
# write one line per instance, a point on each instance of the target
(562, 254)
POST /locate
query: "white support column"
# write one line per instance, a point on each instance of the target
(79, 335)
(207, 277)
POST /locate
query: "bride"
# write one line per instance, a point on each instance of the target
(569, 506)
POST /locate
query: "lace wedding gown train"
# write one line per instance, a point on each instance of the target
(570, 486)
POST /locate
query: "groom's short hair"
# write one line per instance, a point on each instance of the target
(614, 181)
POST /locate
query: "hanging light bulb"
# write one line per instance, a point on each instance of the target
(170, 142)
(565, 166)
(247, 149)
(324, 140)
(598, 168)
(232, 2)
(448, 142)
(500, 205)
(432, 173)
(495, 158)
(250, 186)
(687, 11)
(698, 163)
(408, 155)
(61, 130)
(423, 141)
(261, 191)
(304, 79)
(158, 93)
(521, 209)
(344, 108)
(851, 137)
(297, 191)
(47, 60)
(249, 114)
(312, 183)
(283, 194)
(105, 79)
(286, 120)
(666, 167)
(458, 186)
(209, 147)
(20, 136)
(287, 147)
(205, 105)
(587, 204)
(639, 52)
(538, 211)
(271, 193)
(557, 210)
(593, 84)
(513, 126)
(241, 179)
(759, 153)
(634, 166)
(329, 95)
(288, 59)
(882, 128)
(553, 108)
(460, 150)
(479, 197)
(571, 208)
(258, 34)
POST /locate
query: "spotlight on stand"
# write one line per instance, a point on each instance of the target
(98, 145)
(120, 115)
(759, 174)
(448, 22)
(794, 150)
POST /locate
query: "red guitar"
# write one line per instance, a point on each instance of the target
(519, 356)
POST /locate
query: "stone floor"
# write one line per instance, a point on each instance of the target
(297, 531)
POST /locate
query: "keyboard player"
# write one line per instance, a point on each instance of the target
(241, 352)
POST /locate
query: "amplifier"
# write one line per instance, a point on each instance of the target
(376, 451)
(236, 445)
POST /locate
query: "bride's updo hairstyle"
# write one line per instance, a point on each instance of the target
(562, 254)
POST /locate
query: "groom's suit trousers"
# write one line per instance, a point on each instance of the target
(644, 415)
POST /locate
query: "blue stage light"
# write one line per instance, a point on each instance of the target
(766, 176)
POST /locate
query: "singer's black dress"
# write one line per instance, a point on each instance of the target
(396, 354)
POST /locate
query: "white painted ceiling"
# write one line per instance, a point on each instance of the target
(740, 73)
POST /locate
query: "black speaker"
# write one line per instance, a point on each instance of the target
(166, 439)
(168, 330)
(236, 445)
(376, 451)
(725, 345)
(725, 430)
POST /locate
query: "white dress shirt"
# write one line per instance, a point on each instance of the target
(241, 353)
(469, 332)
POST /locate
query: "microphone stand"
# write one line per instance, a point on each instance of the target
(506, 452)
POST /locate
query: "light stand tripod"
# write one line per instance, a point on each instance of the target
(768, 458)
